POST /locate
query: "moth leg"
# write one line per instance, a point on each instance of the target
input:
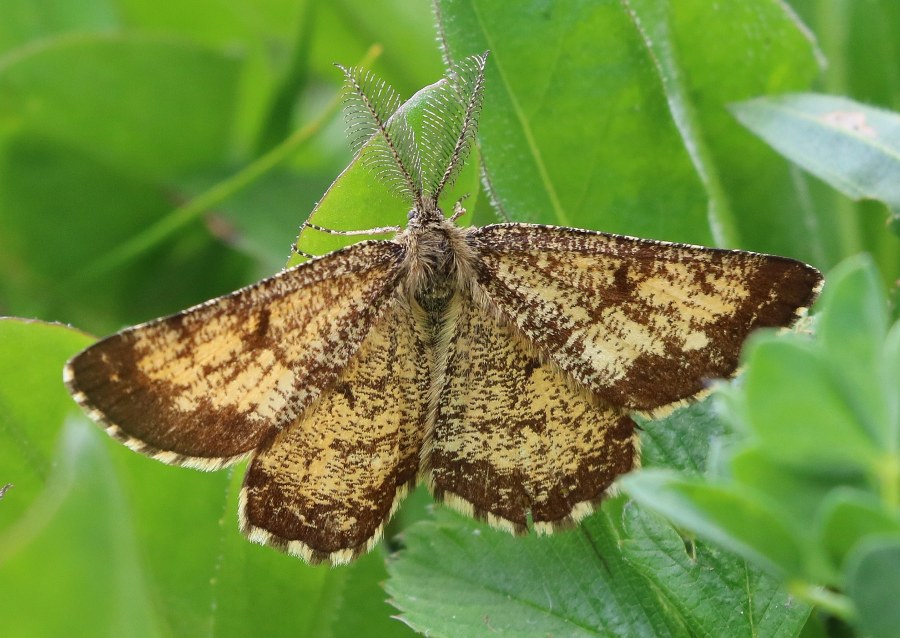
(295, 247)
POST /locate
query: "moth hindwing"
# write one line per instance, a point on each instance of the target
(498, 365)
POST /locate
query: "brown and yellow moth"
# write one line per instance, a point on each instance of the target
(497, 365)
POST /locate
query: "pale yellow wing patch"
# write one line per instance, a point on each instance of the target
(323, 487)
(641, 323)
(202, 387)
(513, 435)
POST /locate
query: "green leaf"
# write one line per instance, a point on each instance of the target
(717, 594)
(140, 548)
(841, 387)
(853, 147)
(89, 126)
(629, 76)
(362, 608)
(792, 390)
(726, 515)
(44, 244)
(159, 106)
(681, 439)
(32, 355)
(78, 529)
(65, 514)
(260, 219)
(874, 587)
(23, 20)
(797, 494)
(847, 517)
(732, 51)
(852, 330)
(460, 578)
(653, 22)
(554, 126)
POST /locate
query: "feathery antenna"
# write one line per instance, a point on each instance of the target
(370, 105)
(450, 124)
(387, 144)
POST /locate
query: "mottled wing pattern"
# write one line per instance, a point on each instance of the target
(512, 434)
(641, 323)
(323, 487)
(203, 387)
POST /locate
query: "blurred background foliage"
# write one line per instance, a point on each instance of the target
(156, 154)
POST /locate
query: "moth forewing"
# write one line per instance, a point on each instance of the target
(643, 324)
(203, 387)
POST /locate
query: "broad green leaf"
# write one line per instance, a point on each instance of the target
(652, 20)
(682, 439)
(89, 125)
(852, 331)
(24, 20)
(874, 587)
(647, 78)
(79, 530)
(281, 39)
(581, 136)
(262, 219)
(726, 515)
(797, 495)
(64, 514)
(717, 594)
(33, 405)
(856, 39)
(846, 518)
(405, 30)
(731, 51)
(255, 589)
(215, 22)
(61, 210)
(853, 147)
(362, 608)
(793, 390)
(460, 578)
(269, 34)
(153, 106)
(213, 581)
(859, 41)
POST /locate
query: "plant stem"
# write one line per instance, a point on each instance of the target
(832, 602)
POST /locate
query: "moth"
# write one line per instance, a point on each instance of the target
(498, 365)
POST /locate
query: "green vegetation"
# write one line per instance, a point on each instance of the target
(155, 154)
